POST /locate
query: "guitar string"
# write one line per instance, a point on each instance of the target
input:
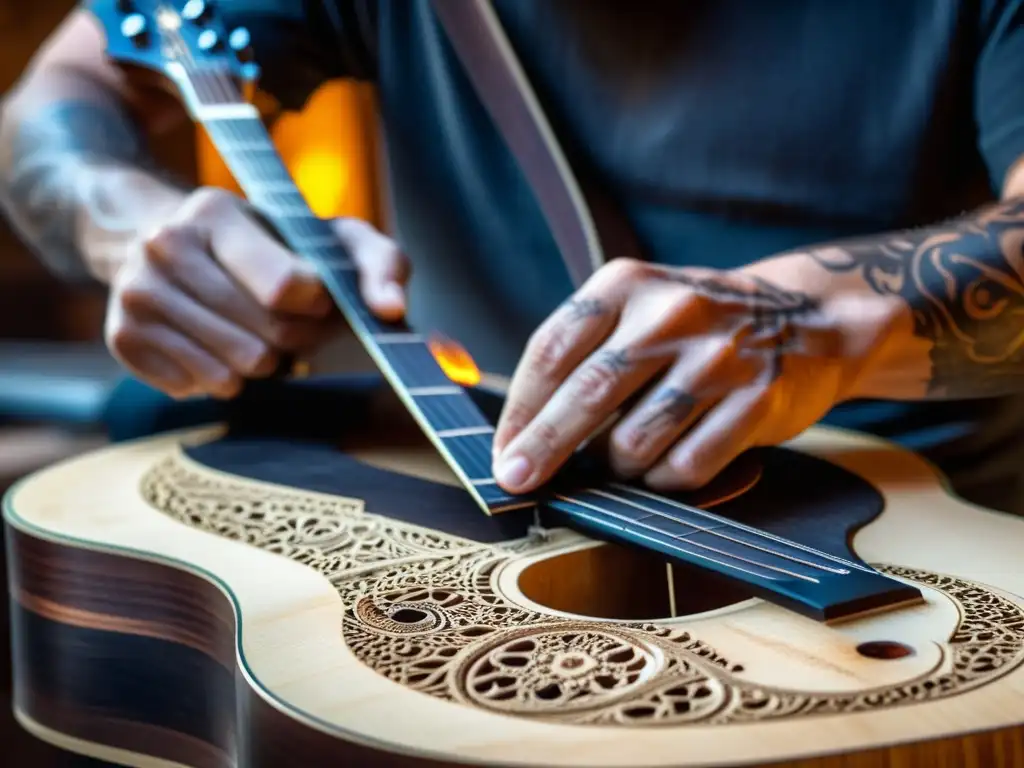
(477, 454)
(449, 410)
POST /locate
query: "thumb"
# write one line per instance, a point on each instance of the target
(383, 268)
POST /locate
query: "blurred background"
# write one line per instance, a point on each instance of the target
(57, 383)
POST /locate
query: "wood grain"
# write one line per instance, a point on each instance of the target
(295, 688)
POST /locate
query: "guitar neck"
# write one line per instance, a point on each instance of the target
(811, 582)
(448, 416)
(808, 581)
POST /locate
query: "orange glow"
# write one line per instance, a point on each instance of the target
(329, 148)
(323, 178)
(454, 361)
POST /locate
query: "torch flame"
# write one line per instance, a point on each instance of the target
(454, 360)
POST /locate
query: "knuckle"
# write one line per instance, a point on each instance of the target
(698, 462)
(397, 264)
(547, 435)
(515, 419)
(278, 293)
(691, 471)
(174, 390)
(351, 226)
(137, 297)
(290, 335)
(547, 349)
(629, 446)
(162, 245)
(624, 270)
(224, 383)
(257, 360)
(596, 382)
(121, 337)
(690, 300)
(295, 285)
(210, 202)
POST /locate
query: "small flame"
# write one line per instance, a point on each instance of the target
(454, 361)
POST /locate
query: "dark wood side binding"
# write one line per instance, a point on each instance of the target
(139, 656)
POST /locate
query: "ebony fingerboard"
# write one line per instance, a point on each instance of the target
(814, 583)
(447, 415)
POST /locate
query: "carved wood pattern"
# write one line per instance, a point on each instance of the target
(422, 610)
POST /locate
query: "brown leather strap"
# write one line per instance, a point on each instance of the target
(586, 227)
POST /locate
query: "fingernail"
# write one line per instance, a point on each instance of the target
(513, 472)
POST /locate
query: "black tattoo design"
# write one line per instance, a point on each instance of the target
(671, 407)
(771, 307)
(616, 360)
(772, 313)
(964, 282)
(44, 183)
(580, 309)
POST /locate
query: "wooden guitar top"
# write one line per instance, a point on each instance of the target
(396, 624)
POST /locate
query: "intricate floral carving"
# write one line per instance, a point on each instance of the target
(423, 610)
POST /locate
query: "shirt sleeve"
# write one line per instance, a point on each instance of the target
(999, 88)
(300, 44)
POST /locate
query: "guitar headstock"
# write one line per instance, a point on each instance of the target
(184, 41)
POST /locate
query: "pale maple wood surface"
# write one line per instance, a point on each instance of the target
(291, 647)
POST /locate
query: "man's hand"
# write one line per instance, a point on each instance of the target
(209, 298)
(724, 361)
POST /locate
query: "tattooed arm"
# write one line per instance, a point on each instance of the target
(76, 181)
(719, 361)
(202, 296)
(954, 294)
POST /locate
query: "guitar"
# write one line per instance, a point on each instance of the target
(240, 595)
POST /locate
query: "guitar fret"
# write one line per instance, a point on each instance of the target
(225, 112)
(454, 422)
(398, 338)
(434, 391)
(464, 438)
(466, 431)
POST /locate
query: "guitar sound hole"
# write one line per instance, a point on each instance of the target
(615, 582)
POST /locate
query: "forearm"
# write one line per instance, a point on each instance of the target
(952, 296)
(76, 181)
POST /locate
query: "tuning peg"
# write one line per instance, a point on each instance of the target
(196, 10)
(240, 42)
(250, 80)
(208, 40)
(134, 27)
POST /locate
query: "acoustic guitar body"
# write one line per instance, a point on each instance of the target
(234, 596)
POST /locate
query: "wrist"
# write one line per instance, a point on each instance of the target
(866, 336)
(117, 205)
(881, 357)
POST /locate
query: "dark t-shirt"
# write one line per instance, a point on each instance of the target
(728, 130)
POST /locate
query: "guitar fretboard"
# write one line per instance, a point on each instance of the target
(811, 582)
(445, 412)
